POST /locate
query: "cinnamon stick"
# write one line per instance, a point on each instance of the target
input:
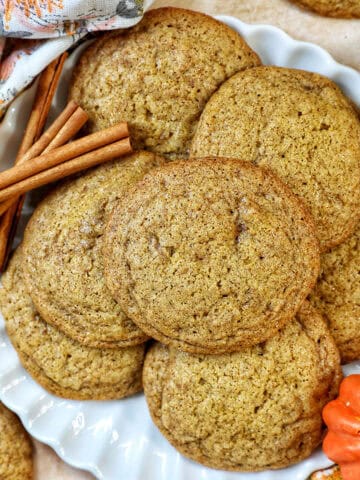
(47, 137)
(95, 157)
(69, 122)
(69, 129)
(54, 72)
(61, 154)
(41, 105)
(35, 125)
(4, 206)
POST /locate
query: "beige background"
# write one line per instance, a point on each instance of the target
(340, 37)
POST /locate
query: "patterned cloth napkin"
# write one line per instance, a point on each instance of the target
(25, 24)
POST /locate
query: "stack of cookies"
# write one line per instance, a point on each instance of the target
(210, 242)
(70, 334)
(214, 258)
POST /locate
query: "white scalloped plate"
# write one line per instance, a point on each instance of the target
(117, 440)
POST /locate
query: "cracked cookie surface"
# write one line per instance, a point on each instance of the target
(333, 8)
(63, 262)
(301, 126)
(252, 410)
(210, 255)
(158, 76)
(15, 448)
(61, 365)
(337, 295)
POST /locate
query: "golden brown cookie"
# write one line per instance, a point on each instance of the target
(15, 448)
(331, 473)
(210, 255)
(301, 126)
(333, 8)
(63, 262)
(158, 76)
(61, 365)
(256, 409)
(337, 295)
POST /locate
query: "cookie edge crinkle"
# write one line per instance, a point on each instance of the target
(55, 313)
(165, 15)
(156, 373)
(100, 390)
(127, 301)
(201, 148)
(314, 6)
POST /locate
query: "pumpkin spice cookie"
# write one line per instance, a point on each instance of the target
(63, 263)
(333, 8)
(158, 76)
(15, 448)
(256, 409)
(210, 255)
(61, 365)
(301, 126)
(337, 295)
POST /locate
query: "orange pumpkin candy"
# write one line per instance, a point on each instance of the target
(342, 417)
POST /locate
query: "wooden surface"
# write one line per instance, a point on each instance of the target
(340, 37)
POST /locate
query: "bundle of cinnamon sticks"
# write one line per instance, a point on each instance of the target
(47, 157)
